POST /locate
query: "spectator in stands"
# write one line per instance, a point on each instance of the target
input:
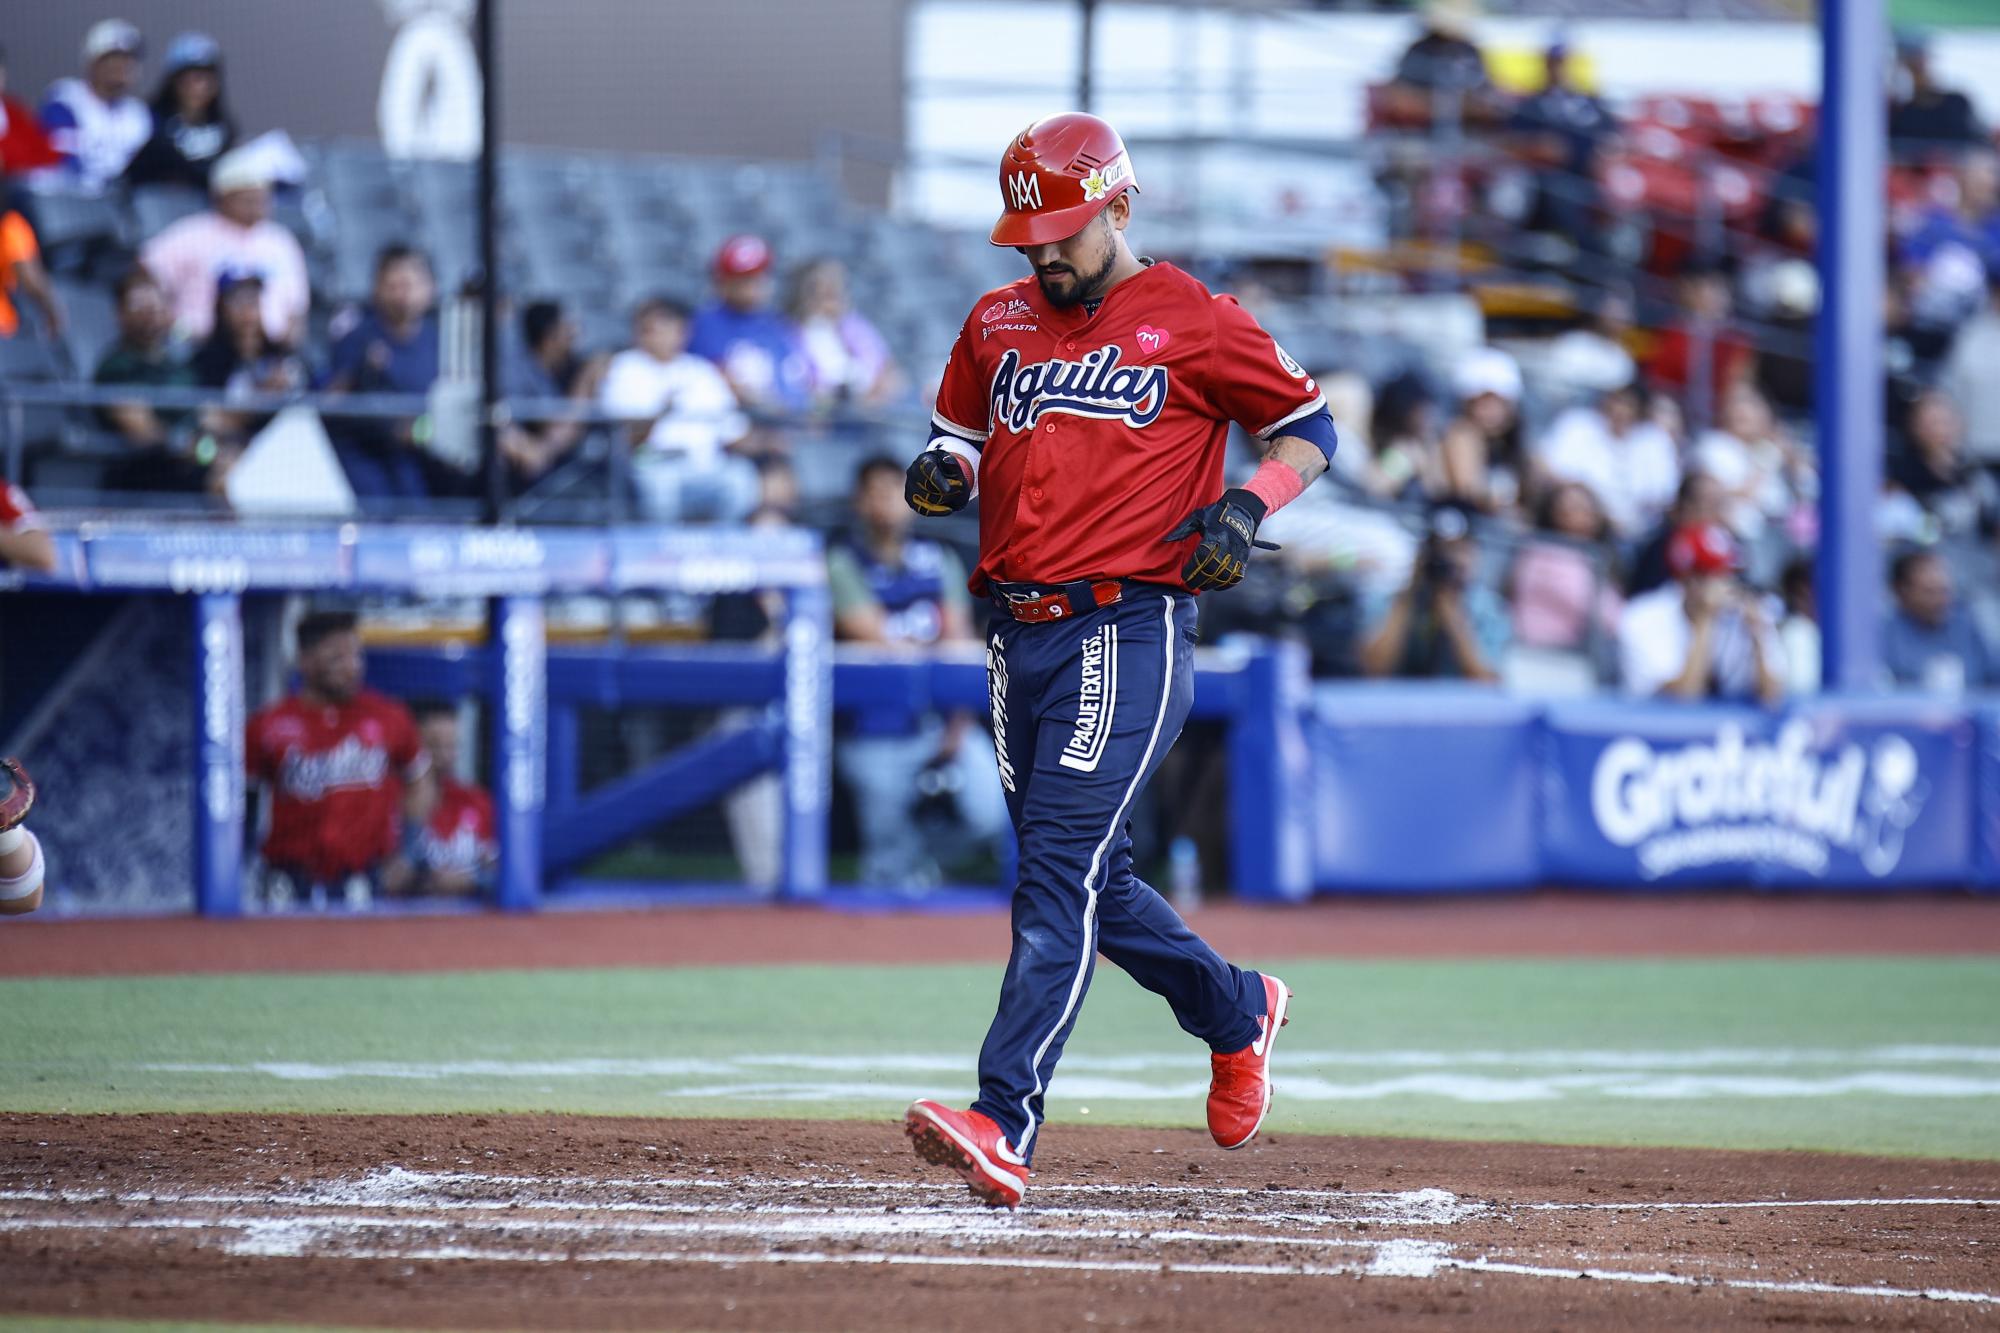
(1706, 635)
(390, 346)
(24, 542)
(1969, 380)
(455, 851)
(1444, 622)
(192, 127)
(1561, 132)
(1592, 358)
(158, 456)
(21, 271)
(1923, 116)
(755, 346)
(96, 122)
(682, 419)
(1930, 642)
(1677, 365)
(346, 771)
(778, 487)
(241, 359)
(850, 364)
(1403, 430)
(893, 590)
(1441, 77)
(1955, 247)
(1562, 580)
(545, 365)
(1929, 466)
(235, 235)
(24, 143)
(1627, 460)
(1763, 472)
(1481, 446)
(1799, 631)
(1700, 500)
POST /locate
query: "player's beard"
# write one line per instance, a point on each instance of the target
(1087, 287)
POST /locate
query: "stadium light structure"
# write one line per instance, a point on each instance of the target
(1848, 360)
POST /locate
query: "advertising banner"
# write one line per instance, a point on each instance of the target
(1837, 793)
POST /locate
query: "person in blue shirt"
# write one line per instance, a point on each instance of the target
(903, 593)
(1929, 642)
(754, 345)
(390, 347)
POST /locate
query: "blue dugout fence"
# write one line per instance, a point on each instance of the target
(1340, 787)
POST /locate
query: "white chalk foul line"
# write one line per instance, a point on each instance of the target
(1634, 1207)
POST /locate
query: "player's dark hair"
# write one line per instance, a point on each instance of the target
(660, 303)
(875, 463)
(316, 627)
(396, 252)
(538, 320)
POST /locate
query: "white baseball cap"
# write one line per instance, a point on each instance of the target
(1488, 370)
(239, 170)
(110, 37)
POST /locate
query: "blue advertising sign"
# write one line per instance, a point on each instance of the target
(481, 562)
(717, 559)
(1835, 793)
(205, 558)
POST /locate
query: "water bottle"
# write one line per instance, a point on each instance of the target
(1184, 874)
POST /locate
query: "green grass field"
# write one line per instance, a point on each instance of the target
(1874, 1055)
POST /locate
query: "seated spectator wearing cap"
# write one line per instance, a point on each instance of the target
(1628, 462)
(235, 235)
(24, 143)
(682, 419)
(96, 122)
(456, 850)
(1444, 623)
(1560, 133)
(21, 271)
(756, 348)
(192, 127)
(1441, 77)
(242, 360)
(545, 365)
(391, 345)
(1700, 499)
(1481, 445)
(1930, 642)
(1706, 635)
(1925, 116)
(850, 363)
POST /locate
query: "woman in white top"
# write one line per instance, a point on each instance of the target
(1759, 466)
(850, 362)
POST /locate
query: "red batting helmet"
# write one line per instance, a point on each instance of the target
(1056, 176)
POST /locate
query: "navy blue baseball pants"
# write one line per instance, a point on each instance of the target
(1084, 709)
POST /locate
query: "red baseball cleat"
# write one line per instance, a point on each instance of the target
(970, 1144)
(1239, 1085)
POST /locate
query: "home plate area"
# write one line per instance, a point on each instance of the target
(524, 1221)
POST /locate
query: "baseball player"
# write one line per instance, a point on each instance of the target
(1089, 404)
(24, 544)
(345, 766)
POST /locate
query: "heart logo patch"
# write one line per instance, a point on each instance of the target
(1151, 340)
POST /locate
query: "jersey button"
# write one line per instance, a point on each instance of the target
(1034, 492)
(1050, 428)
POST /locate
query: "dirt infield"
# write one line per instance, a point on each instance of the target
(506, 1222)
(1539, 925)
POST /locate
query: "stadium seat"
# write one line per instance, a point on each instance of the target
(156, 207)
(93, 322)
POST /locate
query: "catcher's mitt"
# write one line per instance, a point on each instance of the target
(17, 793)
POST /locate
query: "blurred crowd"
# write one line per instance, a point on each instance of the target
(1624, 495)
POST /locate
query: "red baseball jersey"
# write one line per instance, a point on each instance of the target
(336, 774)
(1092, 435)
(16, 513)
(460, 834)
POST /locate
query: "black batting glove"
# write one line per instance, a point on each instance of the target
(1228, 529)
(936, 484)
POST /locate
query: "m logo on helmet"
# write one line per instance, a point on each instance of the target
(1024, 190)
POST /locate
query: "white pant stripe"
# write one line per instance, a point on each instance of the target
(1090, 884)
